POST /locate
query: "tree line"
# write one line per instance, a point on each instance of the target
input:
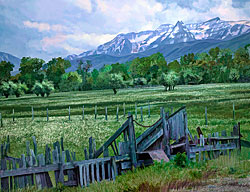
(40, 78)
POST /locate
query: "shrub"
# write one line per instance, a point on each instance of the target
(180, 160)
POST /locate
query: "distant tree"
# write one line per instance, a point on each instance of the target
(5, 69)
(18, 89)
(95, 74)
(174, 66)
(234, 75)
(31, 71)
(187, 59)
(116, 82)
(71, 81)
(120, 68)
(83, 69)
(55, 69)
(214, 52)
(6, 89)
(38, 88)
(169, 80)
(47, 88)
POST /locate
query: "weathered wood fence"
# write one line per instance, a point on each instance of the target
(162, 140)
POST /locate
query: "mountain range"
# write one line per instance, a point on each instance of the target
(172, 41)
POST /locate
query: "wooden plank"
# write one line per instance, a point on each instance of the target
(80, 175)
(34, 144)
(97, 172)
(4, 181)
(15, 178)
(149, 142)
(132, 140)
(47, 155)
(148, 132)
(54, 167)
(103, 171)
(115, 153)
(86, 154)
(92, 173)
(87, 174)
(111, 139)
(212, 147)
(114, 168)
(108, 165)
(224, 133)
(91, 155)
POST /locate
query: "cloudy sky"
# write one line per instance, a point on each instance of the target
(52, 28)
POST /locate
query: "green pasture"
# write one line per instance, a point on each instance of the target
(218, 98)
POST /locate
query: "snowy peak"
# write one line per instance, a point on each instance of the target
(126, 44)
(179, 34)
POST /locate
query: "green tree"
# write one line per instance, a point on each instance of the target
(116, 82)
(95, 74)
(47, 88)
(174, 66)
(83, 69)
(18, 89)
(37, 88)
(5, 69)
(71, 81)
(55, 69)
(214, 52)
(31, 71)
(234, 75)
(169, 80)
(6, 89)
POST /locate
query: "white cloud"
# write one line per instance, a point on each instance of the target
(43, 26)
(130, 13)
(71, 42)
(83, 4)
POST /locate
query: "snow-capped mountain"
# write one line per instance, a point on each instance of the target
(167, 34)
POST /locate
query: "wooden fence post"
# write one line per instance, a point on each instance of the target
(233, 112)
(106, 113)
(124, 110)
(69, 113)
(165, 133)
(13, 115)
(135, 110)
(47, 114)
(205, 115)
(1, 120)
(148, 110)
(83, 112)
(32, 111)
(95, 112)
(117, 113)
(132, 141)
(141, 115)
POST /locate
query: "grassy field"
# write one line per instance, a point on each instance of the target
(218, 98)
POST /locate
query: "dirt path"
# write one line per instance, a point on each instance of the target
(224, 184)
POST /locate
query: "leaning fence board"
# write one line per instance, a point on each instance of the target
(213, 148)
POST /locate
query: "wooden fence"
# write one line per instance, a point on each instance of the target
(162, 140)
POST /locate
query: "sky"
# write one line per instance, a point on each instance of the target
(53, 28)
